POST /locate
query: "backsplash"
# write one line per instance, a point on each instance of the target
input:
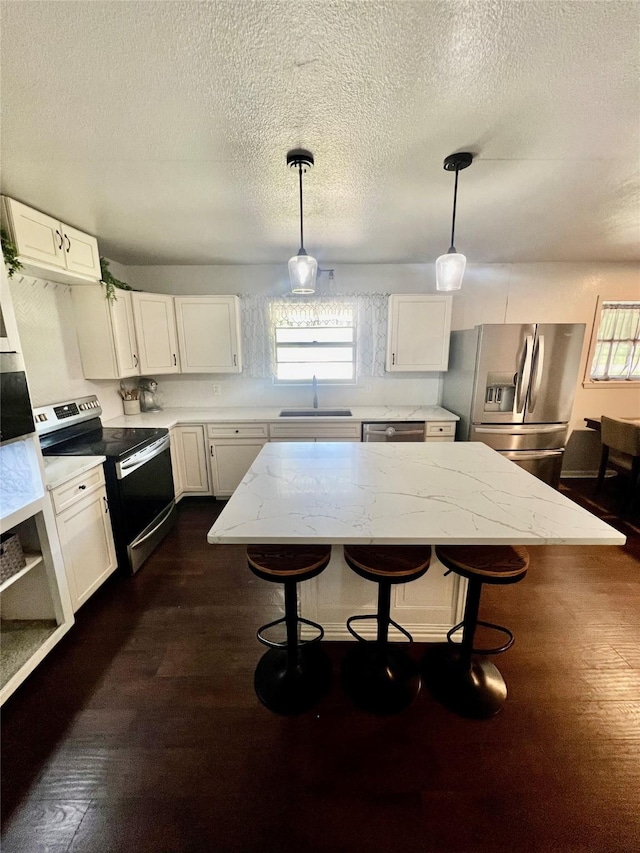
(44, 313)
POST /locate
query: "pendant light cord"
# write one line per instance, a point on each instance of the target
(453, 220)
(302, 249)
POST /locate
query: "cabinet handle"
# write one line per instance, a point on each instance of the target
(60, 236)
(211, 449)
(393, 358)
(106, 504)
(235, 360)
(82, 487)
(175, 360)
(135, 360)
(66, 237)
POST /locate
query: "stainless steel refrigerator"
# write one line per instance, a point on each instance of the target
(513, 386)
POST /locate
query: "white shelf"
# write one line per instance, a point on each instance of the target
(33, 560)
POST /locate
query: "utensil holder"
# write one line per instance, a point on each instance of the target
(131, 407)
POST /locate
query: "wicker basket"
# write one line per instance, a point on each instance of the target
(11, 557)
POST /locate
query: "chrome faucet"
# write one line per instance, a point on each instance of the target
(314, 383)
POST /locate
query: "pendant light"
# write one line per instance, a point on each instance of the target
(450, 267)
(302, 267)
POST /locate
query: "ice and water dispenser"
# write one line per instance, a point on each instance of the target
(500, 392)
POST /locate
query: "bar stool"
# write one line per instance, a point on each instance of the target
(293, 674)
(376, 675)
(472, 687)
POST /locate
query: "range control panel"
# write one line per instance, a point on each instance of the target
(48, 418)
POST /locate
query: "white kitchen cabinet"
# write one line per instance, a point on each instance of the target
(350, 431)
(418, 332)
(189, 460)
(84, 528)
(154, 320)
(208, 334)
(106, 333)
(440, 431)
(49, 248)
(230, 459)
(232, 449)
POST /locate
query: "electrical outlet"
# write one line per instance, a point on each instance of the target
(217, 390)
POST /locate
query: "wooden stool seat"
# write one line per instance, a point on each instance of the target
(294, 673)
(276, 562)
(378, 676)
(493, 563)
(471, 685)
(395, 563)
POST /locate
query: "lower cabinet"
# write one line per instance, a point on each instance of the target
(230, 459)
(84, 529)
(189, 460)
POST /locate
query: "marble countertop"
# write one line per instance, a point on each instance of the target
(170, 417)
(59, 469)
(400, 493)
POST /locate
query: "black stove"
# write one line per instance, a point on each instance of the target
(97, 440)
(138, 472)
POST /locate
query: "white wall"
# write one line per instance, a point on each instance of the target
(44, 314)
(496, 293)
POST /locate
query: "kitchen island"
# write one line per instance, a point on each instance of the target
(397, 494)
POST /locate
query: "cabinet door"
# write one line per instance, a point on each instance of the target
(153, 316)
(35, 234)
(191, 458)
(209, 333)
(124, 334)
(418, 332)
(230, 460)
(87, 546)
(81, 252)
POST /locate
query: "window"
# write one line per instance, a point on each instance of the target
(317, 340)
(616, 350)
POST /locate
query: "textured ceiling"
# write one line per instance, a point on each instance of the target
(162, 127)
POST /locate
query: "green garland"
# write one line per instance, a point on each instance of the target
(110, 281)
(10, 253)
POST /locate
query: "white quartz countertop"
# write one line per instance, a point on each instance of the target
(59, 469)
(171, 417)
(400, 493)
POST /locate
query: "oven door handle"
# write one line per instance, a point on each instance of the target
(123, 469)
(137, 542)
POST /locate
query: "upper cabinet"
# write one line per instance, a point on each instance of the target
(418, 334)
(154, 320)
(106, 333)
(209, 334)
(48, 248)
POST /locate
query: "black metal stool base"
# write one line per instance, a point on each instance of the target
(287, 689)
(380, 680)
(478, 692)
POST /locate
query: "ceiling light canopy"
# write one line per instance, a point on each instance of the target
(450, 267)
(303, 269)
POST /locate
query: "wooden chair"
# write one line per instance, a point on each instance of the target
(621, 451)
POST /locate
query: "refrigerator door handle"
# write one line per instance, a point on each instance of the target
(524, 374)
(538, 360)
(520, 430)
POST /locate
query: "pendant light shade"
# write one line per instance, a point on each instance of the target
(303, 269)
(450, 267)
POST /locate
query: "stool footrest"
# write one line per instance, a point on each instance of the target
(374, 616)
(496, 651)
(272, 644)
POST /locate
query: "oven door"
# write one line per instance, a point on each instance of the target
(145, 497)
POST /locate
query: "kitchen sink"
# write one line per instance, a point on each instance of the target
(315, 413)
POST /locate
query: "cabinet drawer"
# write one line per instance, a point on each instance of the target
(441, 428)
(321, 432)
(238, 430)
(76, 489)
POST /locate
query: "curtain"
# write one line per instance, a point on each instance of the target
(617, 353)
(261, 315)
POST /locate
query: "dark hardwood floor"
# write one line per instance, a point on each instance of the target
(141, 731)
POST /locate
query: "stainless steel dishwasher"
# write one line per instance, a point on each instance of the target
(396, 431)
